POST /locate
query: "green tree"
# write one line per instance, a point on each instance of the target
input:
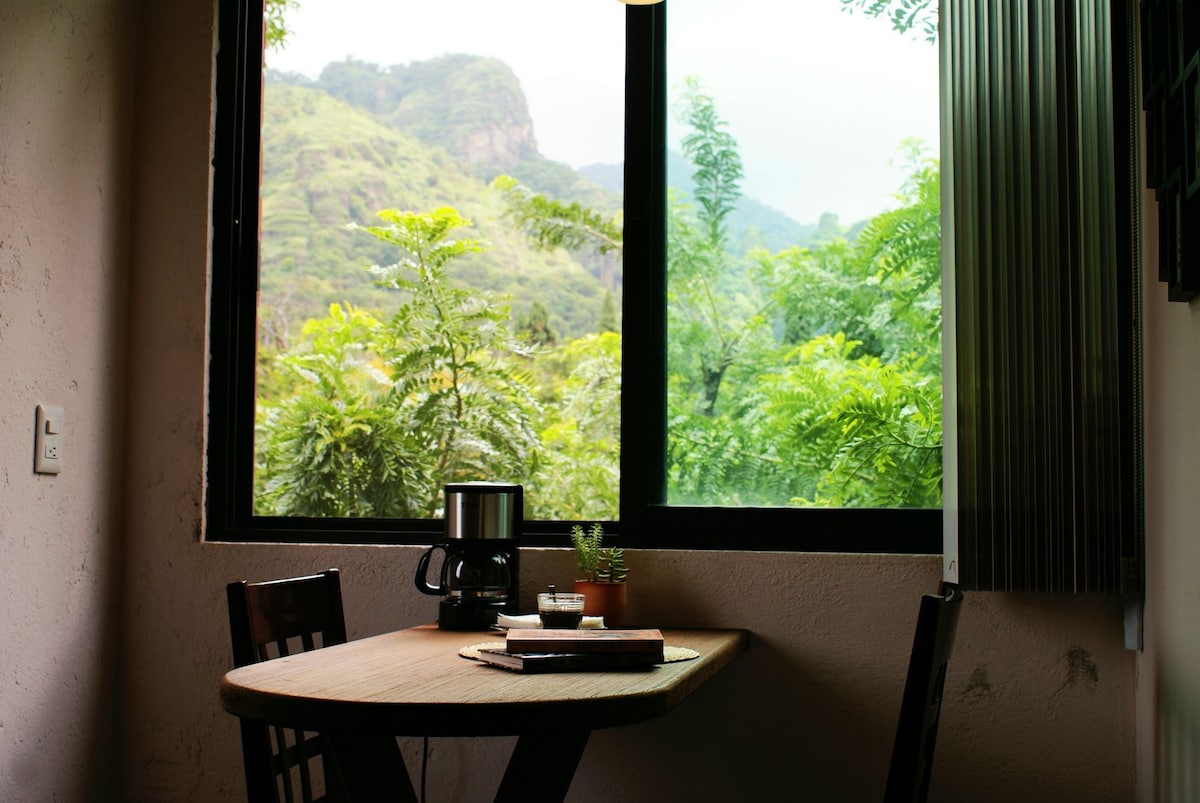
(810, 376)
(715, 309)
(845, 407)
(713, 153)
(825, 290)
(608, 315)
(884, 290)
(554, 224)
(577, 473)
(450, 351)
(901, 250)
(334, 447)
(829, 228)
(862, 432)
(382, 415)
(534, 326)
(858, 401)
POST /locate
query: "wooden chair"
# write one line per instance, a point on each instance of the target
(269, 620)
(920, 709)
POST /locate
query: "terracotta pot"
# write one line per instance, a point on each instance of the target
(603, 599)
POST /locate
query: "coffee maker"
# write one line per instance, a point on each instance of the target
(478, 576)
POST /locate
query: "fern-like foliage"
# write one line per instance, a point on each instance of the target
(872, 432)
(717, 165)
(275, 23)
(333, 447)
(576, 473)
(907, 16)
(901, 249)
(554, 224)
(450, 351)
(384, 415)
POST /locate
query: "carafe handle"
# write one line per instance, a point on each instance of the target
(422, 580)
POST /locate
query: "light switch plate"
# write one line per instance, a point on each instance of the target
(47, 439)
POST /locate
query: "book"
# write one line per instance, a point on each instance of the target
(648, 642)
(530, 662)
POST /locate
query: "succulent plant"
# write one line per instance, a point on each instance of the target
(596, 562)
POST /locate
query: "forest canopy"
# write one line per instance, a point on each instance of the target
(804, 376)
(432, 311)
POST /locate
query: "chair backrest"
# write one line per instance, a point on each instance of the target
(921, 707)
(268, 620)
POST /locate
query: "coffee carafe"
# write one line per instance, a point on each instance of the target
(478, 575)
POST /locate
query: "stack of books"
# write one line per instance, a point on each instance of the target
(577, 650)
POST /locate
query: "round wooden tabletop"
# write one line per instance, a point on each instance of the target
(414, 683)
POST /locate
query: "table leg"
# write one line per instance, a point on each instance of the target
(542, 766)
(371, 768)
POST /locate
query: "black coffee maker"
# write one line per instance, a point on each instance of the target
(478, 578)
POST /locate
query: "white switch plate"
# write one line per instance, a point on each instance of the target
(47, 439)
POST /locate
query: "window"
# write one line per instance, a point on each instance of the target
(681, 375)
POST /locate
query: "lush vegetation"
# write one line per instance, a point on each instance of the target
(803, 373)
(810, 375)
(907, 16)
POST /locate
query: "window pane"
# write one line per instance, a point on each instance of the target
(419, 322)
(804, 308)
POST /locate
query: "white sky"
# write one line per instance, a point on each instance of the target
(817, 99)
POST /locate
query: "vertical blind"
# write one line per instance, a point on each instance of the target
(1042, 484)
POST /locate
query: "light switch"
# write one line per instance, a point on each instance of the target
(47, 439)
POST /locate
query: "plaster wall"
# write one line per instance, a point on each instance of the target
(1040, 696)
(65, 129)
(1168, 670)
(1040, 703)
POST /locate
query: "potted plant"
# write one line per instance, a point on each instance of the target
(604, 572)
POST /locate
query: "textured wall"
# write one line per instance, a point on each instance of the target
(1168, 680)
(1040, 700)
(64, 152)
(1040, 694)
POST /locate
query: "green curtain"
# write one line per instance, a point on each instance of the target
(1043, 489)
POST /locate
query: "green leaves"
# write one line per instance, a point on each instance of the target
(276, 32)
(905, 15)
(597, 563)
(805, 377)
(578, 471)
(870, 432)
(714, 306)
(331, 446)
(713, 152)
(832, 392)
(553, 224)
(385, 415)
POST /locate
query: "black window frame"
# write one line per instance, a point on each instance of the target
(645, 520)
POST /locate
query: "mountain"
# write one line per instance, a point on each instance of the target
(328, 163)
(752, 225)
(469, 105)
(361, 138)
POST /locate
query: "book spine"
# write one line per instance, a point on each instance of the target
(568, 643)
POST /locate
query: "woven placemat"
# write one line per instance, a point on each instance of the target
(472, 650)
(670, 653)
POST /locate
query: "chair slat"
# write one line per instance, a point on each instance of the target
(263, 617)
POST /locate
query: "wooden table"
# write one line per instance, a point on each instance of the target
(414, 683)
